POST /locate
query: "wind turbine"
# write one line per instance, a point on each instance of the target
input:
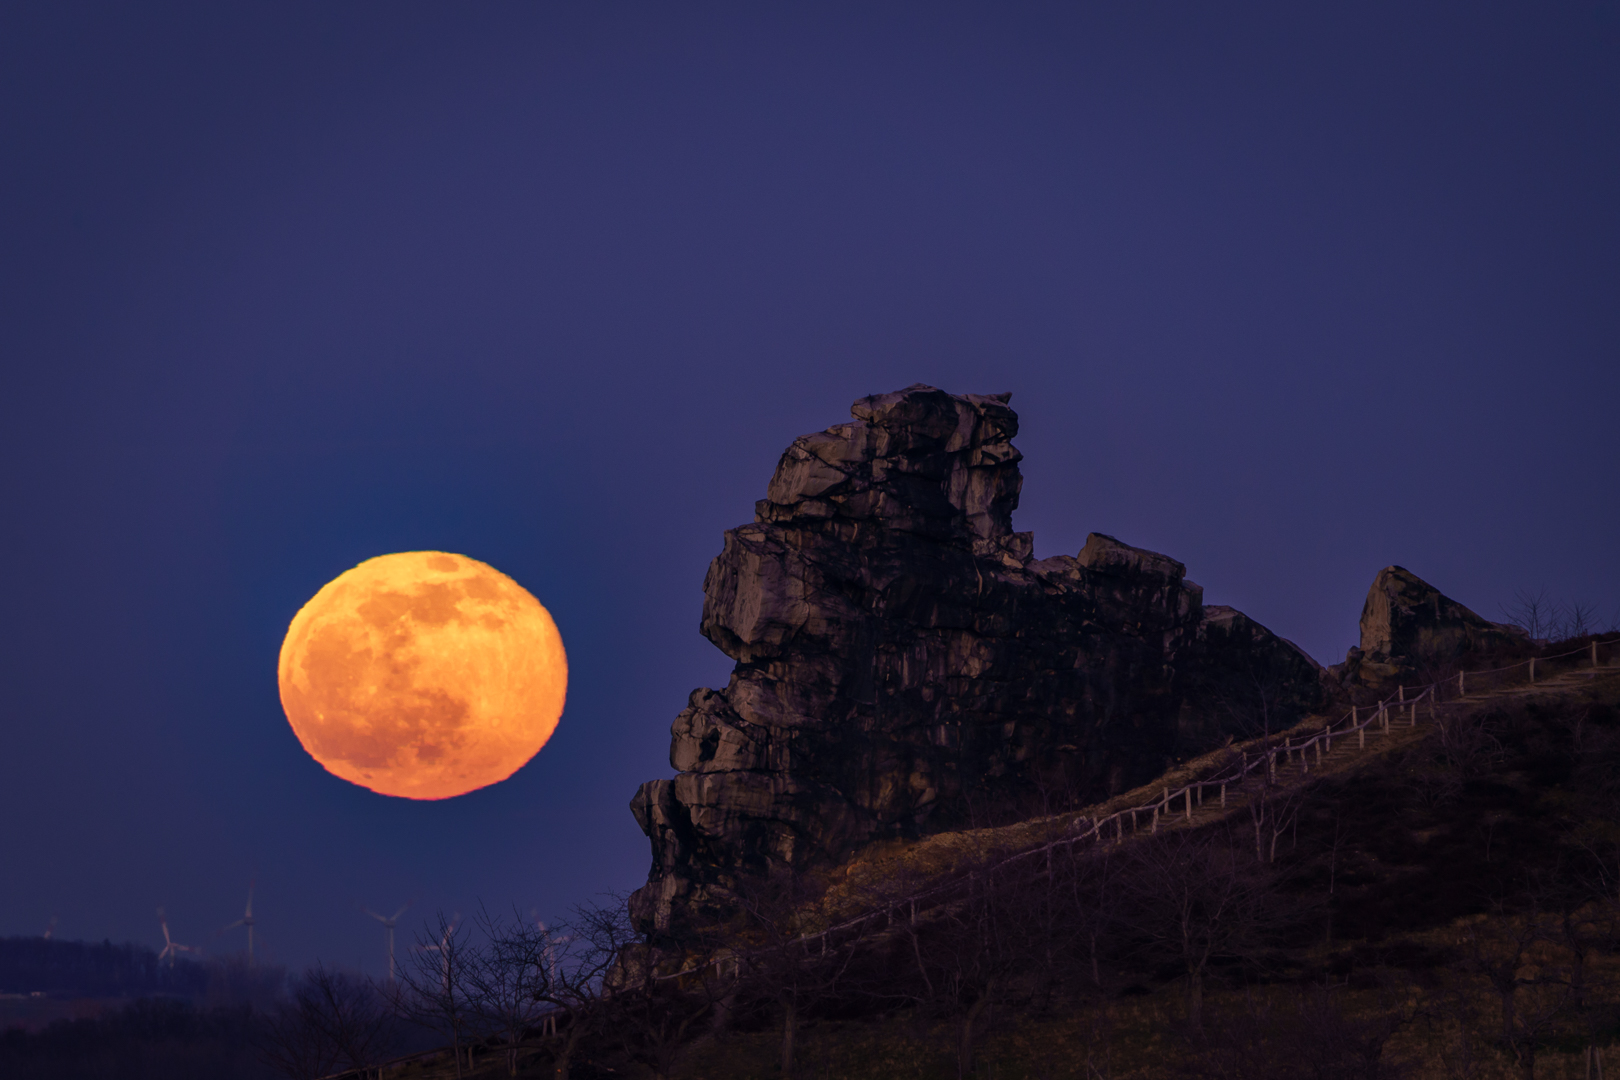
(549, 1024)
(171, 947)
(246, 920)
(552, 944)
(388, 924)
(443, 948)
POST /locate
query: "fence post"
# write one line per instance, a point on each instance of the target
(1319, 751)
(1352, 714)
(1223, 796)
(1361, 738)
(1189, 804)
(1155, 821)
(1400, 692)
(1532, 669)
(1462, 685)
(1413, 721)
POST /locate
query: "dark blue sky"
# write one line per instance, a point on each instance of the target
(1288, 292)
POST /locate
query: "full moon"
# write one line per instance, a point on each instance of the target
(423, 675)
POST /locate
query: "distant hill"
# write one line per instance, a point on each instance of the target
(30, 965)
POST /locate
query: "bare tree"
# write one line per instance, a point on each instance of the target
(432, 988)
(1530, 997)
(971, 948)
(656, 993)
(1196, 896)
(1584, 932)
(1580, 620)
(292, 1044)
(1272, 812)
(1101, 881)
(1074, 914)
(1547, 620)
(1249, 697)
(1462, 747)
(584, 951)
(656, 1017)
(781, 909)
(509, 984)
(333, 1019)
(1534, 613)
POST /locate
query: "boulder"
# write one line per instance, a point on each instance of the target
(1408, 625)
(904, 665)
(1244, 680)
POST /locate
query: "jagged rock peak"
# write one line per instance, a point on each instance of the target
(1407, 624)
(919, 460)
(1405, 616)
(902, 659)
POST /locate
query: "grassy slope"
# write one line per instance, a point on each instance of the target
(1406, 852)
(1426, 843)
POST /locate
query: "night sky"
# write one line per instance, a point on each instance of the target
(1288, 292)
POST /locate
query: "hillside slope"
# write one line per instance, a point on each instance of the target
(1443, 902)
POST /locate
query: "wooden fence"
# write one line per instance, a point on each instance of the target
(1400, 707)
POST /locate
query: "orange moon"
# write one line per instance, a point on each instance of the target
(423, 675)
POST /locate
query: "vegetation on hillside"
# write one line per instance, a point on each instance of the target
(1445, 904)
(94, 969)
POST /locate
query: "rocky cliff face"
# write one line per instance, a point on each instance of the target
(1408, 624)
(1243, 680)
(904, 663)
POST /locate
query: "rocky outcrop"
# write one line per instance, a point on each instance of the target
(1244, 680)
(904, 664)
(1408, 624)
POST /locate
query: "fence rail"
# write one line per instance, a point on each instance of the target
(1399, 707)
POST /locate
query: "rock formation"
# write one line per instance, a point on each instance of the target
(1408, 624)
(1243, 680)
(904, 664)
